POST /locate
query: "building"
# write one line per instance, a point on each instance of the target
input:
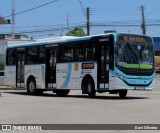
(8, 39)
(3, 21)
(156, 41)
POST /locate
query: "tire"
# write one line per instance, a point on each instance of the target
(123, 94)
(91, 89)
(31, 87)
(62, 92)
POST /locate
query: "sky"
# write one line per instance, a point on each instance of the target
(59, 17)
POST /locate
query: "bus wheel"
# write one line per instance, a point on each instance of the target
(90, 89)
(62, 92)
(31, 87)
(123, 93)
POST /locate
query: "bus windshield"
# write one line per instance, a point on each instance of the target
(135, 53)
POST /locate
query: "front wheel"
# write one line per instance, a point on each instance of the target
(123, 93)
(31, 87)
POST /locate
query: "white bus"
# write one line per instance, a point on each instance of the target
(112, 62)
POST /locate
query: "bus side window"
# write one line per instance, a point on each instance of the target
(79, 54)
(32, 57)
(29, 61)
(10, 57)
(41, 54)
(82, 54)
(90, 53)
(66, 54)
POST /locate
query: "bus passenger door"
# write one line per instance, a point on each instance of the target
(51, 68)
(20, 69)
(103, 66)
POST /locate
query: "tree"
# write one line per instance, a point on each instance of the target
(1, 66)
(76, 32)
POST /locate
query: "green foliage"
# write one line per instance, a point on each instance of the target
(1, 66)
(76, 32)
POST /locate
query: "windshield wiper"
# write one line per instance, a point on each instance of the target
(132, 48)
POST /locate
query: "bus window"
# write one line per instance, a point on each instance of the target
(79, 54)
(66, 54)
(90, 53)
(32, 55)
(82, 54)
(41, 54)
(10, 57)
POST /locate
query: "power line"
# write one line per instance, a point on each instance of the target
(82, 9)
(49, 29)
(153, 10)
(114, 25)
(32, 8)
(114, 9)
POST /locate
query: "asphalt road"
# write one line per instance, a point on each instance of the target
(140, 107)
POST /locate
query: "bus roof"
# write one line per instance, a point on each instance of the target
(56, 40)
(60, 40)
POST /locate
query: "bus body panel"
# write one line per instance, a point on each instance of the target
(65, 76)
(111, 80)
(70, 75)
(38, 72)
(10, 76)
(123, 81)
(120, 85)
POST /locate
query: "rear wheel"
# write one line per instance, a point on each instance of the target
(123, 93)
(91, 89)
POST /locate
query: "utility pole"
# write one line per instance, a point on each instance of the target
(88, 21)
(13, 18)
(143, 21)
(67, 22)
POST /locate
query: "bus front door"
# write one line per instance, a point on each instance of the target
(20, 69)
(103, 66)
(51, 68)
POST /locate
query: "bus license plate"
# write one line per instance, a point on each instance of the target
(140, 88)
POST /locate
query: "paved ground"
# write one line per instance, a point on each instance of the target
(140, 107)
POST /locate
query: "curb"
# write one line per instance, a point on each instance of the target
(6, 88)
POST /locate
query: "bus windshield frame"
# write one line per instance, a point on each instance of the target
(134, 52)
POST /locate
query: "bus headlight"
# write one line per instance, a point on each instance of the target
(120, 76)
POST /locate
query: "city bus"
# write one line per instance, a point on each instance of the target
(112, 62)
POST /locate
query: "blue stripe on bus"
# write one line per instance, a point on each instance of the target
(79, 39)
(66, 82)
(27, 44)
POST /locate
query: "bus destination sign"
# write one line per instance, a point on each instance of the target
(132, 38)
